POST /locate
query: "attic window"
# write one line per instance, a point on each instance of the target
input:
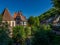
(18, 18)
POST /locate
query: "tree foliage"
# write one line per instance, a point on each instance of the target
(18, 33)
(56, 4)
(4, 35)
(27, 32)
(34, 21)
(45, 36)
(0, 19)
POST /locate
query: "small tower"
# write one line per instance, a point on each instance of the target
(19, 18)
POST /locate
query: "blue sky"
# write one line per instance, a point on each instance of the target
(28, 7)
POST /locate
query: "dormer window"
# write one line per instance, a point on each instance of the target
(18, 18)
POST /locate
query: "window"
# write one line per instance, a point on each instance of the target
(21, 23)
(18, 18)
(13, 23)
(24, 23)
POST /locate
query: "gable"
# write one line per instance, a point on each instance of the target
(6, 15)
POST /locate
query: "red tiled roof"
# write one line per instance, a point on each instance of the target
(6, 15)
(15, 14)
(23, 18)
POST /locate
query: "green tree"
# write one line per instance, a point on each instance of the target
(31, 20)
(34, 29)
(4, 35)
(40, 38)
(37, 22)
(28, 35)
(49, 14)
(56, 3)
(34, 21)
(45, 27)
(0, 19)
(45, 36)
(56, 40)
(19, 34)
(27, 32)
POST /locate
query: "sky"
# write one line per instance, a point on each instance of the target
(28, 7)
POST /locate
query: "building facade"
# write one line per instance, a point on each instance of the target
(15, 20)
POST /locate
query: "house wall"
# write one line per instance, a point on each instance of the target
(23, 23)
(10, 23)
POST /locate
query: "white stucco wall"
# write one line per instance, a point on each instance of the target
(25, 23)
(12, 23)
